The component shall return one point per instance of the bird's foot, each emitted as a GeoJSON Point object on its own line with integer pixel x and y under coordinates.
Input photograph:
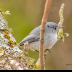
{"type": "Point", "coordinates": [37, 51]}
{"type": "Point", "coordinates": [48, 50]}
{"type": "Point", "coordinates": [45, 56]}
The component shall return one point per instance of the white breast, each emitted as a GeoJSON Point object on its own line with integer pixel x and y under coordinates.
{"type": "Point", "coordinates": [49, 41]}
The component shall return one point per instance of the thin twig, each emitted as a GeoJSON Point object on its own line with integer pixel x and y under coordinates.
{"type": "Point", "coordinates": [44, 20]}
{"type": "Point", "coordinates": [60, 33]}
{"type": "Point", "coordinates": [61, 15]}
{"type": "Point", "coordinates": [25, 50]}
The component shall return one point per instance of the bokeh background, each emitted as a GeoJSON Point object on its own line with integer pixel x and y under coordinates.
{"type": "Point", "coordinates": [27, 14]}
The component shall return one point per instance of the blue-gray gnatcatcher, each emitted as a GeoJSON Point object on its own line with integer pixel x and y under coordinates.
{"type": "Point", "coordinates": [50, 37]}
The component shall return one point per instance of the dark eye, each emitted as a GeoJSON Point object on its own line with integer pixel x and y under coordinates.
{"type": "Point", "coordinates": [48, 26]}
{"type": "Point", "coordinates": [55, 28]}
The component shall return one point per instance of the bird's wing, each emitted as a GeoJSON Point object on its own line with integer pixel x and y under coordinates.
{"type": "Point", "coordinates": [36, 31]}
{"type": "Point", "coordinates": [29, 39]}
{"type": "Point", "coordinates": [32, 37]}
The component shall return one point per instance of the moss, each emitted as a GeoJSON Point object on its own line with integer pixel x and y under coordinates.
{"type": "Point", "coordinates": [30, 62]}
{"type": "Point", "coordinates": [1, 51]}
{"type": "Point", "coordinates": [11, 43]}
{"type": "Point", "coordinates": [60, 33]}
{"type": "Point", "coordinates": [6, 34]}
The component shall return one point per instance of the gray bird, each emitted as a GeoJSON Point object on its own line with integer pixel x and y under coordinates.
{"type": "Point", "coordinates": [50, 37]}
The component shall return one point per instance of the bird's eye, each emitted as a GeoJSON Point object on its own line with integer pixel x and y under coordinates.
{"type": "Point", "coordinates": [48, 26]}
{"type": "Point", "coordinates": [55, 28]}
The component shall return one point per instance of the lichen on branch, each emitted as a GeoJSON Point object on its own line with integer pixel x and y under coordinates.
{"type": "Point", "coordinates": [11, 56]}
{"type": "Point", "coordinates": [61, 35]}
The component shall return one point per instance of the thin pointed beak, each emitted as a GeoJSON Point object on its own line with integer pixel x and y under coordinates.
{"type": "Point", "coordinates": [61, 27]}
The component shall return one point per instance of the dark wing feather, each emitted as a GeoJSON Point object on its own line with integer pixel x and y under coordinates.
{"type": "Point", "coordinates": [32, 37]}
{"type": "Point", "coordinates": [29, 39]}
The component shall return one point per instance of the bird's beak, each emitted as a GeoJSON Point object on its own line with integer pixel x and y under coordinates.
{"type": "Point", "coordinates": [61, 27]}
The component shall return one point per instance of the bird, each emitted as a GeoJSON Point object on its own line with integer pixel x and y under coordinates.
{"type": "Point", "coordinates": [50, 37]}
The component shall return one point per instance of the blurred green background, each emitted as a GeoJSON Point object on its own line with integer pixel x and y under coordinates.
{"type": "Point", "coordinates": [27, 14]}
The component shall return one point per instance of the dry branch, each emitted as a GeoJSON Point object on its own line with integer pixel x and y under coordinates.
{"type": "Point", "coordinates": [44, 20]}
{"type": "Point", "coordinates": [25, 50]}
{"type": "Point", "coordinates": [11, 56]}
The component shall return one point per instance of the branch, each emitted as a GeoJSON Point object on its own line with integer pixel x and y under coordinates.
{"type": "Point", "coordinates": [44, 20]}
{"type": "Point", "coordinates": [11, 56]}
{"type": "Point", "coordinates": [61, 15]}
{"type": "Point", "coordinates": [25, 50]}
{"type": "Point", "coordinates": [61, 35]}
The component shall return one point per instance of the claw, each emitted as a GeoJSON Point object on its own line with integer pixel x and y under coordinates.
{"type": "Point", "coordinates": [48, 50]}
{"type": "Point", "coordinates": [37, 51]}
{"type": "Point", "coordinates": [45, 56]}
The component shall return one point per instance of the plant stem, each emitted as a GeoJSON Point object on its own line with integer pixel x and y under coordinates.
{"type": "Point", "coordinates": [25, 50]}
{"type": "Point", "coordinates": [44, 20]}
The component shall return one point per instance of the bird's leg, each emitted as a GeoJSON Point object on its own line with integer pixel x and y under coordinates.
{"type": "Point", "coordinates": [45, 52]}
{"type": "Point", "coordinates": [45, 55]}
{"type": "Point", "coordinates": [48, 50]}
{"type": "Point", "coordinates": [37, 51]}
